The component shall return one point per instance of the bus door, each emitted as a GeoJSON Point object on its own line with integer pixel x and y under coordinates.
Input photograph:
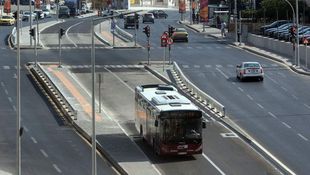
{"type": "Point", "coordinates": [149, 125]}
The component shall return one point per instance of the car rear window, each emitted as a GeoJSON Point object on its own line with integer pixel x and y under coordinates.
{"type": "Point", "coordinates": [252, 65]}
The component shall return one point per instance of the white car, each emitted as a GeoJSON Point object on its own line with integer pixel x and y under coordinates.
{"type": "Point", "coordinates": [46, 13]}
{"type": "Point", "coordinates": [250, 70]}
{"type": "Point", "coordinates": [26, 16]}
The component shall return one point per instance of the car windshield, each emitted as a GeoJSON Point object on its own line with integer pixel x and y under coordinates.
{"type": "Point", "coordinates": [6, 17]}
{"type": "Point", "coordinates": [251, 65]}
{"type": "Point", "coordinates": [180, 30]}
{"type": "Point", "coordinates": [147, 15]}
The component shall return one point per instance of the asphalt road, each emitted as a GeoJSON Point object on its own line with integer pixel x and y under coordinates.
{"type": "Point", "coordinates": [49, 145]}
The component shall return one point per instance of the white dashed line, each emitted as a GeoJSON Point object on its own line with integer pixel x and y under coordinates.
{"type": "Point", "coordinates": [307, 106]}
{"type": "Point", "coordinates": [259, 105]}
{"type": "Point", "coordinates": [57, 169]}
{"type": "Point", "coordinates": [208, 66]}
{"type": "Point", "coordinates": [285, 124]}
{"type": "Point", "coordinates": [284, 88]}
{"type": "Point", "coordinates": [272, 79]}
{"type": "Point", "coordinates": [6, 67]}
{"type": "Point", "coordinates": [214, 165]}
{"type": "Point", "coordinates": [6, 92]}
{"type": "Point", "coordinates": [196, 66]}
{"type": "Point", "coordinates": [2, 84]}
{"type": "Point", "coordinates": [295, 97]}
{"type": "Point", "coordinates": [10, 99]}
{"type": "Point", "coordinates": [303, 137]}
{"type": "Point", "coordinates": [34, 140]}
{"type": "Point", "coordinates": [219, 66]}
{"type": "Point", "coordinates": [44, 153]}
{"type": "Point", "coordinates": [26, 129]}
{"type": "Point", "coordinates": [222, 73]}
{"type": "Point", "coordinates": [240, 89]}
{"type": "Point", "coordinates": [14, 108]}
{"type": "Point", "coordinates": [189, 47]}
{"type": "Point", "coordinates": [272, 115]}
{"type": "Point", "coordinates": [249, 96]}
{"type": "Point", "coordinates": [233, 83]}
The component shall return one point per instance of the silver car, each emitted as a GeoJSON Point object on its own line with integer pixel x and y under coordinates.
{"type": "Point", "coordinates": [250, 70]}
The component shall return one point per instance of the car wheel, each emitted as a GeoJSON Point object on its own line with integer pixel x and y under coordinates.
{"type": "Point", "coordinates": [261, 78]}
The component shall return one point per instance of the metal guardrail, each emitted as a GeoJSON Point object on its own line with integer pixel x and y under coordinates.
{"type": "Point", "coordinates": [210, 102]}
{"type": "Point", "coordinates": [123, 33]}
{"type": "Point", "coordinates": [55, 93]}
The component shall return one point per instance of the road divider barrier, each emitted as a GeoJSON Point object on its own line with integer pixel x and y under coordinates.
{"type": "Point", "coordinates": [198, 94]}
{"type": "Point", "coordinates": [58, 98]}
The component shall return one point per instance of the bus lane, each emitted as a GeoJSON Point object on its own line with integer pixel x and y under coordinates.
{"type": "Point", "coordinates": [223, 151]}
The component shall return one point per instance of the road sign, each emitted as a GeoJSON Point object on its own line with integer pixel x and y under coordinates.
{"type": "Point", "coordinates": [164, 39]}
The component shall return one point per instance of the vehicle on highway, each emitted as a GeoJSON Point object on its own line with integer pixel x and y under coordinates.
{"type": "Point", "coordinates": [268, 32]}
{"type": "Point", "coordinates": [26, 16]}
{"type": "Point", "coordinates": [46, 13]}
{"type": "Point", "coordinates": [130, 21]}
{"type": "Point", "coordinates": [159, 13]}
{"type": "Point", "coordinates": [167, 120]}
{"type": "Point", "coordinates": [273, 32]}
{"type": "Point", "coordinates": [7, 20]}
{"type": "Point", "coordinates": [249, 70]}
{"type": "Point", "coordinates": [272, 25]}
{"type": "Point", "coordinates": [180, 34]}
{"type": "Point", "coordinates": [39, 13]}
{"type": "Point", "coordinates": [148, 17]}
{"type": "Point", "coordinates": [64, 11]}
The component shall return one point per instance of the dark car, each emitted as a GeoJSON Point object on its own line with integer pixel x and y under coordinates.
{"type": "Point", "coordinates": [64, 11]}
{"type": "Point", "coordinates": [130, 21]}
{"type": "Point", "coordinates": [272, 25]}
{"type": "Point", "coordinates": [148, 17]}
{"type": "Point", "coordinates": [159, 13]}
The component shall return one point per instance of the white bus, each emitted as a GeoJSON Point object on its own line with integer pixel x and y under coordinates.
{"type": "Point", "coordinates": [168, 121]}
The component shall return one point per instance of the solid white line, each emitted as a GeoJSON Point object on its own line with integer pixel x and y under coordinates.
{"type": "Point", "coordinates": [303, 137]}
{"type": "Point", "coordinates": [240, 89]}
{"type": "Point", "coordinates": [285, 124]}
{"type": "Point", "coordinates": [117, 77]}
{"type": "Point", "coordinates": [222, 73]}
{"type": "Point", "coordinates": [68, 31]}
{"type": "Point", "coordinates": [260, 105]}
{"type": "Point", "coordinates": [251, 98]}
{"type": "Point", "coordinates": [272, 115]}
{"type": "Point", "coordinates": [57, 169]}
{"type": "Point", "coordinates": [214, 165]}
{"type": "Point", "coordinates": [44, 153]}
{"type": "Point", "coordinates": [34, 140]}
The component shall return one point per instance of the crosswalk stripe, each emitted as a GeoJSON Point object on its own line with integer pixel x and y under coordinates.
{"type": "Point", "coordinates": [196, 66]}
{"type": "Point", "coordinates": [6, 67]}
{"type": "Point", "coordinates": [208, 66]}
{"type": "Point", "coordinates": [230, 65]}
{"type": "Point", "coordinates": [185, 66]}
{"type": "Point", "coordinates": [218, 66]}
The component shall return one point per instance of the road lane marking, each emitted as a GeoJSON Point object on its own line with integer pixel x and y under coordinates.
{"type": "Point", "coordinates": [307, 106]}
{"type": "Point", "coordinates": [284, 88]}
{"type": "Point", "coordinates": [294, 96]}
{"type": "Point", "coordinates": [196, 66]}
{"type": "Point", "coordinates": [14, 108]}
{"type": "Point", "coordinates": [208, 66]}
{"type": "Point", "coordinates": [10, 99]}
{"type": "Point", "coordinates": [185, 66]}
{"type": "Point", "coordinates": [68, 31]}
{"type": "Point", "coordinates": [249, 96]}
{"type": "Point", "coordinates": [26, 129]}
{"type": "Point", "coordinates": [240, 89]}
{"type": "Point", "coordinates": [44, 153]}
{"type": "Point", "coordinates": [259, 105]}
{"type": "Point", "coordinates": [2, 84]}
{"type": "Point", "coordinates": [233, 83]}
{"type": "Point", "coordinates": [285, 124]}
{"type": "Point", "coordinates": [34, 140]}
{"type": "Point", "coordinates": [272, 79]}
{"type": "Point", "coordinates": [213, 164]}
{"type": "Point", "coordinates": [57, 169]}
{"type": "Point", "coordinates": [272, 115]}
{"type": "Point", "coordinates": [222, 73]}
{"type": "Point", "coordinates": [219, 66]}
{"type": "Point", "coordinates": [6, 92]}
{"type": "Point", "coordinates": [6, 67]}
{"type": "Point", "coordinates": [303, 137]}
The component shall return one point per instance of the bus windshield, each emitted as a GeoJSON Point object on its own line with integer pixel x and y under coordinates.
{"type": "Point", "coordinates": [181, 130]}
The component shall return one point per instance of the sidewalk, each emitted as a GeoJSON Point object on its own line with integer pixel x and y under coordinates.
{"type": "Point", "coordinates": [216, 33]}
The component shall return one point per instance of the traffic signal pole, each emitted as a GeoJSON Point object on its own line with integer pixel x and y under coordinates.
{"type": "Point", "coordinates": [148, 50]}
{"type": "Point", "coordinates": [30, 19]}
{"type": "Point", "coordinates": [59, 43]}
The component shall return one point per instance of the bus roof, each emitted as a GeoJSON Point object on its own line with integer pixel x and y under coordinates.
{"type": "Point", "coordinates": [165, 97]}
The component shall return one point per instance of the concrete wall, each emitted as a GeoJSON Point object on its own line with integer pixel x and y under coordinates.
{"type": "Point", "coordinates": [280, 47]}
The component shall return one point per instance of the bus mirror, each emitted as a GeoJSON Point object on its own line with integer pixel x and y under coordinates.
{"type": "Point", "coordinates": [203, 124]}
{"type": "Point", "coordinates": [156, 123]}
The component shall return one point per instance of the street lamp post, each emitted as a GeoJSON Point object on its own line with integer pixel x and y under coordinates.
{"type": "Point", "coordinates": [236, 27]}
{"type": "Point", "coordinates": [18, 100]}
{"type": "Point", "coordinates": [297, 34]}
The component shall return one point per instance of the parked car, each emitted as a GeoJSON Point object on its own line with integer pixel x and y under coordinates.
{"type": "Point", "coordinates": [129, 21]}
{"type": "Point", "coordinates": [180, 34]}
{"type": "Point", "coordinates": [273, 25]}
{"type": "Point", "coordinates": [7, 20]}
{"type": "Point", "coordinates": [159, 13]}
{"type": "Point", "coordinates": [64, 11]}
{"type": "Point", "coordinates": [148, 17]}
{"type": "Point", "coordinates": [249, 70]}
{"type": "Point", "coordinates": [273, 32]}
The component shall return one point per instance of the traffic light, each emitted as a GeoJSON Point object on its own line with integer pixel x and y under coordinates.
{"type": "Point", "coordinates": [293, 31]}
{"type": "Point", "coordinates": [32, 32]}
{"type": "Point", "coordinates": [170, 30]}
{"type": "Point", "coordinates": [136, 17]}
{"type": "Point", "coordinates": [147, 30]}
{"type": "Point", "coordinates": [61, 32]}
{"type": "Point", "coordinates": [15, 15]}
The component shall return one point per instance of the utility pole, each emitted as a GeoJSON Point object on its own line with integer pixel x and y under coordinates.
{"type": "Point", "coordinates": [236, 27]}
{"type": "Point", "coordinates": [61, 33]}
{"type": "Point", "coordinates": [297, 33]}
{"type": "Point", "coordinates": [18, 99]}
{"type": "Point", "coordinates": [30, 19]}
